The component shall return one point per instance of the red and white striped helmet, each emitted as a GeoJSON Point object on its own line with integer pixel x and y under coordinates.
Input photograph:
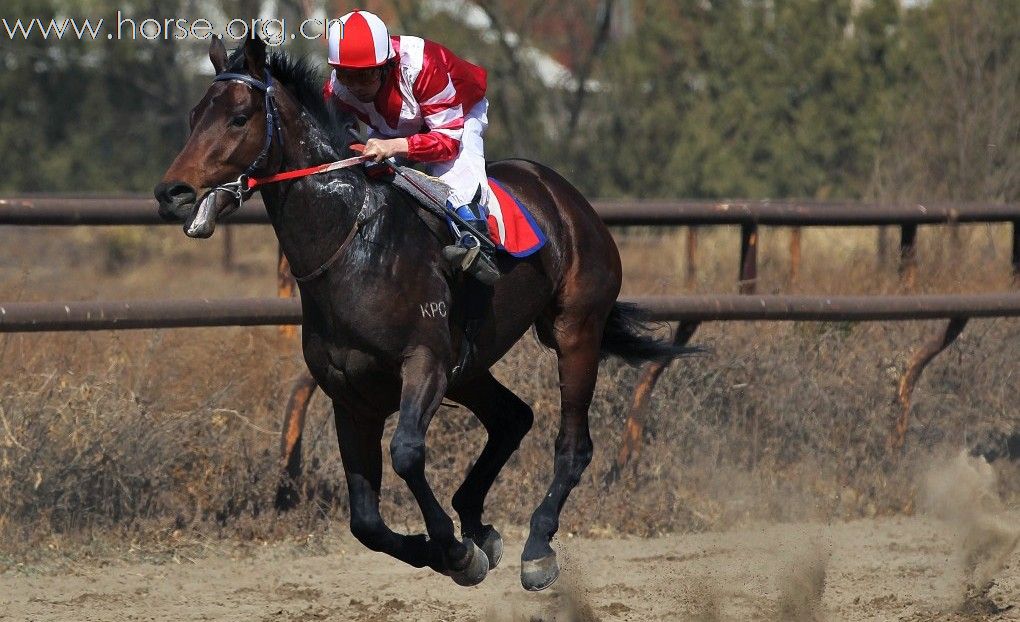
{"type": "Point", "coordinates": [359, 40]}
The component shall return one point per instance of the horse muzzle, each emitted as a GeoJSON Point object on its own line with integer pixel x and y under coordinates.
{"type": "Point", "coordinates": [176, 200]}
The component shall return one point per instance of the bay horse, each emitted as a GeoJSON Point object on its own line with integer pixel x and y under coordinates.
{"type": "Point", "coordinates": [383, 313]}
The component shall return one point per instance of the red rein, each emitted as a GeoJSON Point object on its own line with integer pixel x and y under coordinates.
{"type": "Point", "coordinates": [253, 183]}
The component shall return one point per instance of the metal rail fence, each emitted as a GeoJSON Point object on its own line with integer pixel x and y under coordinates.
{"type": "Point", "coordinates": [26, 317]}
{"type": "Point", "coordinates": [138, 209]}
{"type": "Point", "coordinates": [66, 210]}
{"type": "Point", "coordinates": [689, 311]}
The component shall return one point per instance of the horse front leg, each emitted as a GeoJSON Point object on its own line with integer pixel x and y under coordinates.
{"type": "Point", "coordinates": [424, 384]}
{"type": "Point", "coordinates": [360, 438]}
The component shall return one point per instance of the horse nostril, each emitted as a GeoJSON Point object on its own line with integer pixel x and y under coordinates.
{"type": "Point", "coordinates": [177, 193]}
{"type": "Point", "coordinates": [181, 193]}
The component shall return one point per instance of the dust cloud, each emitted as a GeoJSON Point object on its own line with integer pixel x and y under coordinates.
{"type": "Point", "coordinates": [962, 493]}
{"type": "Point", "coordinates": [801, 584]}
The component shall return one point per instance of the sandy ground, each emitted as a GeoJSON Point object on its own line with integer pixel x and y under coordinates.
{"type": "Point", "coordinates": [884, 569]}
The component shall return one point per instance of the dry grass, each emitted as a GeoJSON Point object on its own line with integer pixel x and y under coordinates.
{"type": "Point", "coordinates": [146, 435]}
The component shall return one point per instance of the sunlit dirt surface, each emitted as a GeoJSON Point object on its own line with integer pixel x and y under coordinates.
{"type": "Point", "coordinates": [886, 569]}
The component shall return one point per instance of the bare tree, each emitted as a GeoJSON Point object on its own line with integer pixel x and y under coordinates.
{"type": "Point", "coordinates": [957, 135]}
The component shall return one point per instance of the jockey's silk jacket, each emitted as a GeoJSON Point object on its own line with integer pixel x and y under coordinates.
{"type": "Point", "coordinates": [424, 99]}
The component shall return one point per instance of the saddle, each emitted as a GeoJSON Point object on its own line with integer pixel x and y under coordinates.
{"type": "Point", "coordinates": [432, 194]}
{"type": "Point", "coordinates": [438, 192]}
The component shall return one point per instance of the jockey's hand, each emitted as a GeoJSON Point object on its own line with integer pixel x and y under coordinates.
{"type": "Point", "coordinates": [381, 149]}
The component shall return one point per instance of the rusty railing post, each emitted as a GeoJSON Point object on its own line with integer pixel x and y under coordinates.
{"type": "Point", "coordinates": [882, 249]}
{"type": "Point", "coordinates": [794, 255]}
{"type": "Point", "coordinates": [228, 248]}
{"type": "Point", "coordinates": [286, 287]}
{"type": "Point", "coordinates": [630, 446]}
{"type": "Point", "coordinates": [921, 358]}
{"type": "Point", "coordinates": [1016, 252]}
{"type": "Point", "coordinates": [748, 258]}
{"type": "Point", "coordinates": [954, 250]}
{"type": "Point", "coordinates": [692, 257]}
{"type": "Point", "coordinates": [908, 255]}
{"type": "Point", "coordinates": [297, 406]}
{"type": "Point", "coordinates": [290, 440]}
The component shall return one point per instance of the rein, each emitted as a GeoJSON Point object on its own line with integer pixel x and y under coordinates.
{"type": "Point", "coordinates": [254, 182]}
{"type": "Point", "coordinates": [246, 183]}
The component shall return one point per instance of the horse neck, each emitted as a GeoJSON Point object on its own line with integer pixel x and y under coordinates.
{"type": "Point", "coordinates": [312, 214]}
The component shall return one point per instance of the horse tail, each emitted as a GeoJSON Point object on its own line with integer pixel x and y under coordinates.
{"type": "Point", "coordinates": [627, 335]}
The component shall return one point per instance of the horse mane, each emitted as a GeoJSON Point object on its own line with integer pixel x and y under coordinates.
{"type": "Point", "coordinates": [304, 80]}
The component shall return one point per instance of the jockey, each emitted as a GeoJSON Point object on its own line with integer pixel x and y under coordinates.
{"type": "Point", "coordinates": [420, 102]}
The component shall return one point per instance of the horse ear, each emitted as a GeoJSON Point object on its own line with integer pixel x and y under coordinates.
{"type": "Point", "coordinates": [218, 55]}
{"type": "Point", "coordinates": [255, 56]}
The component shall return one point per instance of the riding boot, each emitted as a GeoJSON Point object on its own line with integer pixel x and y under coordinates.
{"type": "Point", "coordinates": [466, 254]}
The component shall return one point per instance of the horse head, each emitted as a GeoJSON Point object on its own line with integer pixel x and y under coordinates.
{"type": "Point", "coordinates": [232, 136]}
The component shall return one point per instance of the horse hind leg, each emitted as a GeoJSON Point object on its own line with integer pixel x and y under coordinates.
{"type": "Point", "coordinates": [507, 419]}
{"type": "Point", "coordinates": [287, 496]}
{"type": "Point", "coordinates": [576, 338]}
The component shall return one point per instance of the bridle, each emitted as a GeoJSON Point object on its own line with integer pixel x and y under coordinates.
{"type": "Point", "coordinates": [247, 183]}
{"type": "Point", "coordinates": [239, 189]}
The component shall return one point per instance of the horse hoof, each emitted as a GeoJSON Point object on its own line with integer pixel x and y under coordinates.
{"type": "Point", "coordinates": [539, 574]}
{"type": "Point", "coordinates": [492, 546]}
{"type": "Point", "coordinates": [287, 497]}
{"type": "Point", "coordinates": [476, 568]}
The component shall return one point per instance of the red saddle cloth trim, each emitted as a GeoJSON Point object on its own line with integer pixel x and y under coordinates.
{"type": "Point", "coordinates": [519, 235]}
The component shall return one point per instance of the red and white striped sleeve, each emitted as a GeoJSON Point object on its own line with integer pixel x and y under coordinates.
{"type": "Point", "coordinates": [446, 88]}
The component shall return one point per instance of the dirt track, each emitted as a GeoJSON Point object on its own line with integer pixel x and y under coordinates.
{"type": "Point", "coordinates": [885, 569]}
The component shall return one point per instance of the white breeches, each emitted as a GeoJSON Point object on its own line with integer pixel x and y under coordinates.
{"type": "Point", "coordinates": [466, 172]}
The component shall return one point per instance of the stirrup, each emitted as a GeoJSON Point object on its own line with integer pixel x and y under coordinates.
{"type": "Point", "coordinates": [461, 254]}
{"type": "Point", "coordinates": [467, 256]}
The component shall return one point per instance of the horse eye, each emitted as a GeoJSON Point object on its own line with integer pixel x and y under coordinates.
{"type": "Point", "coordinates": [239, 120]}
